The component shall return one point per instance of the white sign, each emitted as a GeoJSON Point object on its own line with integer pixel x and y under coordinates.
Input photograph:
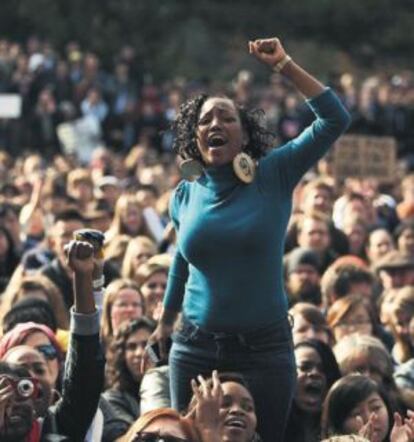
{"type": "Point", "coordinates": [10, 106]}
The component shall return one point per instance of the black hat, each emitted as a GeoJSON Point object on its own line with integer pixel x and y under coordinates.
{"type": "Point", "coordinates": [300, 256]}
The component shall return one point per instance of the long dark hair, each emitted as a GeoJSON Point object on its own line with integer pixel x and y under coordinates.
{"type": "Point", "coordinates": [329, 363]}
{"type": "Point", "coordinates": [344, 396]}
{"type": "Point", "coordinates": [295, 428]}
{"type": "Point", "coordinates": [185, 126]}
{"type": "Point", "coordinates": [117, 374]}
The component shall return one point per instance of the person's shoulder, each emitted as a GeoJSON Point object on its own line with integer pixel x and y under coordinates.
{"type": "Point", "coordinates": [117, 397]}
{"type": "Point", "coordinates": [112, 394]}
{"type": "Point", "coordinates": [123, 404]}
{"type": "Point", "coordinates": [181, 189]}
{"type": "Point", "coordinates": [181, 192]}
{"type": "Point", "coordinates": [157, 373]}
{"type": "Point", "coordinates": [274, 154]}
{"type": "Point", "coordinates": [404, 375]}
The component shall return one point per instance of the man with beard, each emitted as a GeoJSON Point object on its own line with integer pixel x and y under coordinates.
{"type": "Point", "coordinates": [302, 269]}
{"type": "Point", "coordinates": [72, 415]}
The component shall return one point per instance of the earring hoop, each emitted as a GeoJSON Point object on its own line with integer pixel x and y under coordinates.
{"type": "Point", "coordinates": [244, 167]}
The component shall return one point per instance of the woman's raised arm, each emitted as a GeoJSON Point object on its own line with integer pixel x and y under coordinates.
{"type": "Point", "coordinates": [271, 52]}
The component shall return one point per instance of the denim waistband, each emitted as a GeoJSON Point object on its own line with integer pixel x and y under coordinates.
{"type": "Point", "coordinates": [279, 329]}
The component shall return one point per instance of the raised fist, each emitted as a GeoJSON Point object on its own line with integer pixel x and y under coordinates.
{"type": "Point", "coordinates": [80, 256]}
{"type": "Point", "coordinates": [267, 50]}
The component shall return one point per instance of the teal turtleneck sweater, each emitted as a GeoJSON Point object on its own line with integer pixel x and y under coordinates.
{"type": "Point", "coordinates": [227, 273]}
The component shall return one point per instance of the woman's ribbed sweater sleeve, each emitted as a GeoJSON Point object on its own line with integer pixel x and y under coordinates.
{"type": "Point", "coordinates": [177, 278]}
{"type": "Point", "coordinates": [178, 273]}
{"type": "Point", "coordinates": [296, 157]}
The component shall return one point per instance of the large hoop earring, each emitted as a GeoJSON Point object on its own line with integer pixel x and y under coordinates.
{"type": "Point", "coordinates": [244, 167]}
{"type": "Point", "coordinates": [191, 169]}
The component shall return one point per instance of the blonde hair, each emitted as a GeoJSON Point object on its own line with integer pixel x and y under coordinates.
{"type": "Point", "coordinates": [402, 302]}
{"type": "Point", "coordinates": [315, 215]}
{"type": "Point", "coordinates": [111, 293]}
{"type": "Point", "coordinates": [117, 248]}
{"type": "Point", "coordinates": [146, 270]}
{"type": "Point", "coordinates": [346, 438]}
{"type": "Point", "coordinates": [16, 291]}
{"type": "Point", "coordinates": [76, 176]}
{"type": "Point", "coordinates": [185, 424]}
{"type": "Point", "coordinates": [128, 270]}
{"type": "Point", "coordinates": [372, 347]}
{"type": "Point", "coordinates": [117, 226]}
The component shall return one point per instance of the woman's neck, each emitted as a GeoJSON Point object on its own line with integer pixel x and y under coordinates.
{"type": "Point", "coordinates": [219, 178]}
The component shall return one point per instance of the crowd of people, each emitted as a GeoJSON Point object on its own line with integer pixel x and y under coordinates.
{"type": "Point", "coordinates": [77, 319]}
{"type": "Point", "coordinates": [57, 87]}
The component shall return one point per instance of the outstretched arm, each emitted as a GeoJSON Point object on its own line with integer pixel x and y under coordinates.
{"type": "Point", "coordinates": [284, 167]}
{"type": "Point", "coordinates": [174, 293]}
{"type": "Point", "coordinates": [173, 299]}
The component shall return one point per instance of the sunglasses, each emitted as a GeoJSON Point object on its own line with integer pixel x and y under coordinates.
{"type": "Point", "coordinates": [144, 436]}
{"type": "Point", "coordinates": [48, 351]}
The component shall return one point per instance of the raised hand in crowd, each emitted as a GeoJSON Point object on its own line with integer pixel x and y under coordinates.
{"type": "Point", "coordinates": [403, 429]}
{"type": "Point", "coordinates": [80, 256]}
{"type": "Point", "coordinates": [368, 430]}
{"type": "Point", "coordinates": [206, 411]}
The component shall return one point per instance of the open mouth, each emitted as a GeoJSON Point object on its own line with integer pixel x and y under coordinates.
{"type": "Point", "coordinates": [216, 141]}
{"type": "Point", "coordinates": [314, 391]}
{"type": "Point", "coordinates": [236, 423]}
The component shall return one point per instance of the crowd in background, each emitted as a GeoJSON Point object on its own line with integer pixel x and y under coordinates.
{"type": "Point", "coordinates": [349, 261]}
{"type": "Point", "coordinates": [57, 87]}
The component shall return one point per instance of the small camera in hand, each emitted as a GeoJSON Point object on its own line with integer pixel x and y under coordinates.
{"type": "Point", "coordinates": [94, 237]}
{"type": "Point", "coordinates": [24, 388]}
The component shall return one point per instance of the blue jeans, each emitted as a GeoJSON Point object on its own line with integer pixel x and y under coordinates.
{"type": "Point", "coordinates": [263, 356]}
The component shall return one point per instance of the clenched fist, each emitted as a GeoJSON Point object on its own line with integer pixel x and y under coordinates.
{"type": "Point", "coordinates": [80, 257]}
{"type": "Point", "coordinates": [267, 50]}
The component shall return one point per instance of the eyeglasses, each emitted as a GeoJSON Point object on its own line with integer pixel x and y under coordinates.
{"type": "Point", "coordinates": [154, 285]}
{"type": "Point", "coordinates": [48, 351]}
{"type": "Point", "coordinates": [144, 436]}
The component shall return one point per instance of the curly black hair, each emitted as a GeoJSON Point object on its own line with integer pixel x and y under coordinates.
{"type": "Point", "coordinates": [117, 373]}
{"type": "Point", "coordinates": [185, 125]}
